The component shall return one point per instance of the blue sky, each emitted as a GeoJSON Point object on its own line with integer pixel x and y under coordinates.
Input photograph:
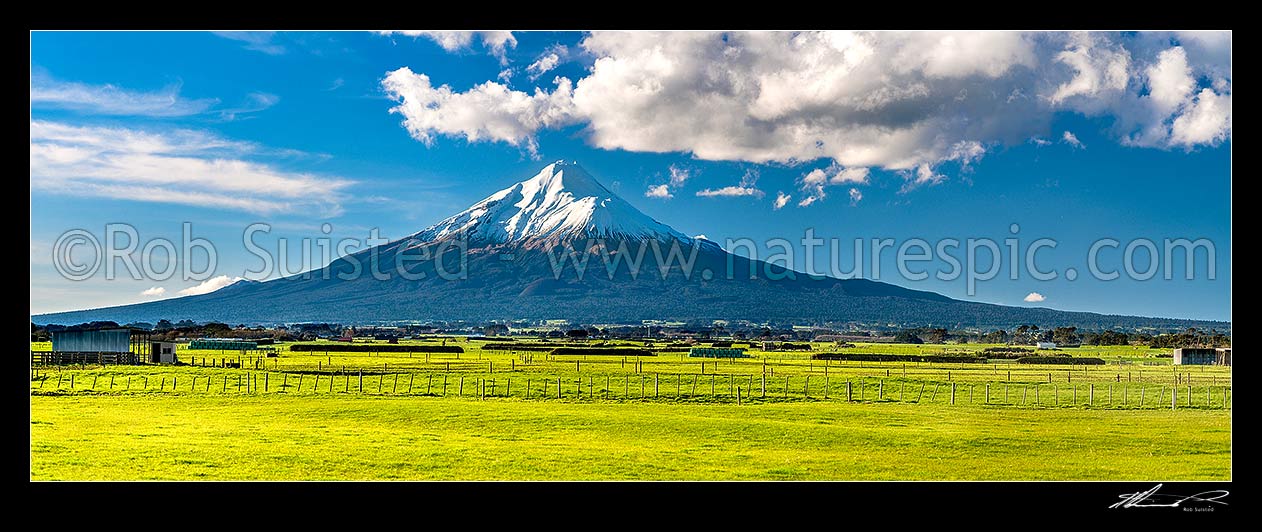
{"type": "Point", "coordinates": [1073, 137]}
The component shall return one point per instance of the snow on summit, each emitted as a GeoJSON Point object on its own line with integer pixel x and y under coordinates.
{"type": "Point", "coordinates": [561, 202]}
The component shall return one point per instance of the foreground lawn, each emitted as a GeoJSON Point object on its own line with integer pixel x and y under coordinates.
{"type": "Point", "coordinates": [124, 437]}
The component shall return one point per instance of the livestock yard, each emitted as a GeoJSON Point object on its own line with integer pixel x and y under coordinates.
{"type": "Point", "coordinates": [521, 408]}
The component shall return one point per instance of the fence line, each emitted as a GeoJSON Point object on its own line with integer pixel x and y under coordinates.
{"type": "Point", "coordinates": [1117, 396]}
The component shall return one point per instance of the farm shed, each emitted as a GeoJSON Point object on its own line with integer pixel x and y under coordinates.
{"type": "Point", "coordinates": [1224, 356]}
{"type": "Point", "coordinates": [115, 345]}
{"type": "Point", "coordinates": [99, 341]}
{"type": "Point", "coordinates": [162, 353]}
{"type": "Point", "coordinates": [718, 352]}
{"type": "Point", "coordinates": [1202, 356]}
{"type": "Point", "coordinates": [1045, 345]}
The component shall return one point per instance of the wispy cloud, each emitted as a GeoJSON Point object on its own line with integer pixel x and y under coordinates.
{"type": "Point", "coordinates": [336, 84]}
{"type": "Point", "coordinates": [730, 192]}
{"type": "Point", "coordinates": [259, 41]}
{"type": "Point", "coordinates": [153, 291]}
{"type": "Point", "coordinates": [114, 100]}
{"type": "Point", "coordinates": [210, 285]}
{"type": "Point", "coordinates": [1072, 140]}
{"type": "Point", "coordinates": [186, 167]}
{"type": "Point", "coordinates": [856, 196]}
{"type": "Point", "coordinates": [745, 189]}
{"type": "Point", "coordinates": [254, 102]}
{"type": "Point", "coordinates": [815, 182]}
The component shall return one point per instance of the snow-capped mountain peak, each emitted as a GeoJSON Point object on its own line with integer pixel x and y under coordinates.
{"type": "Point", "coordinates": [561, 202]}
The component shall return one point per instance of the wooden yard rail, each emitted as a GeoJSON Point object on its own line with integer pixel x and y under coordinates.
{"type": "Point", "coordinates": [56, 358]}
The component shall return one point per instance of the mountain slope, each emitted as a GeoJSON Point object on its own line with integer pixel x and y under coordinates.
{"type": "Point", "coordinates": [561, 245]}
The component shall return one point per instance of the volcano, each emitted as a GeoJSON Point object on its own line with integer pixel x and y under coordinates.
{"type": "Point", "coordinates": [560, 245]}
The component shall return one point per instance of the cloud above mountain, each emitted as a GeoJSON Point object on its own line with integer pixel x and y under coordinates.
{"type": "Point", "coordinates": [910, 102]}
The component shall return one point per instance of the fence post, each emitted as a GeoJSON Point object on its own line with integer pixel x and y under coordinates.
{"type": "Point", "coordinates": [394, 386]}
{"type": "Point", "coordinates": [655, 392]}
{"type": "Point", "coordinates": [1174, 397]}
{"type": "Point", "coordinates": [1091, 395]}
{"type": "Point", "coordinates": [460, 390]}
{"type": "Point", "coordinates": [264, 383]}
{"type": "Point", "coordinates": [558, 387]}
{"type": "Point", "coordinates": [764, 380]}
{"type": "Point", "coordinates": [361, 380]}
{"type": "Point", "coordinates": [952, 393]}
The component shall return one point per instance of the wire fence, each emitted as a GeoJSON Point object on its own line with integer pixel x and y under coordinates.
{"type": "Point", "coordinates": [719, 388]}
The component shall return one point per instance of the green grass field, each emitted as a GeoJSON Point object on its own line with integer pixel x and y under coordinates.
{"type": "Point", "coordinates": [311, 415]}
{"type": "Point", "coordinates": [346, 438]}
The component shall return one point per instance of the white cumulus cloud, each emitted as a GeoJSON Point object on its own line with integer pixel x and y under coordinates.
{"type": "Point", "coordinates": [659, 191]}
{"type": "Point", "coordinates": [542, 65]}
{"type": "Point", "coordinates": [153, 291]}
{"type": "Point", "coordinates": [496, 41]}
{"type": "Point", "coordinates": [921, 103]}
{"type": "Point", "coordinates": [490, 111]}
{"type": "Point", "coordinates": [815, 182]}
{"type": "Point", "coordinates": [1035, 297]}
{"type": "Point", "coordinates": [856, 196]}
{"type": "Point", "coordinates": [782, 199]}
{"type": "Point", "coordinates": [209, 285]}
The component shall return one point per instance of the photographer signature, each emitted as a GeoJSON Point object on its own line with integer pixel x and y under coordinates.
{"type": "Point", "coordinates": [1152, 499]}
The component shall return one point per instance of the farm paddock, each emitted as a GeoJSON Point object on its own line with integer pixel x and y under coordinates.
{"type": "Point", "coordinates": [489, 414]}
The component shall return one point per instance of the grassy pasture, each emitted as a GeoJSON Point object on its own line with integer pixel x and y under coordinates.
{"type": "Point", "coordinates": [374, 437]}
{"type": "Point", "coordinates": [306, 415]}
